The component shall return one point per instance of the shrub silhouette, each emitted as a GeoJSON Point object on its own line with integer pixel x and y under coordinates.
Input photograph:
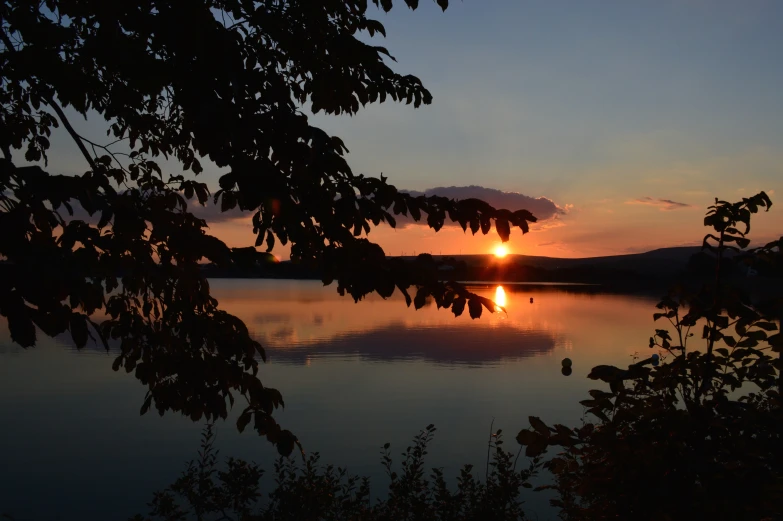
{"type": "Point", "coordinates": [312, 491]}
{"type": "Point", "coordinates": [689, 433]}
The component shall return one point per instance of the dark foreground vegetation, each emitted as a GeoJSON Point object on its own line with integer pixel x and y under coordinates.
{"type": "Point", "coordinates": [112, 253]}
{"type": "Point", "coordinates": [693, 431]}
{"type": "Point", "coordinates": [308, 490]}
{"type": "Point", "coordinates": [114, 256]}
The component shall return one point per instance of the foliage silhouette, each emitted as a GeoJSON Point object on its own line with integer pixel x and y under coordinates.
{"type": "Point", "coordinates": [312, 491]}
{"type": "Point", "coordinates": [680, 435]}
{"type": "Point", "coordinates": [186, 80]}
{"type": "Point", "coordinates": [699, 435]}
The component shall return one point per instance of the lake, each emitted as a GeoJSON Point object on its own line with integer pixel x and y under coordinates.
{"type": "Point", "coordinates": [354, 376]}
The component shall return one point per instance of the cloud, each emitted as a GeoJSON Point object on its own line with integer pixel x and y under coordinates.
{"type": "Point", "coordinates": [549, 224]}
{"type": "Point", "coordinates": [541, 207]}
{"type": "Point", "coordinates": [212, 213]}
{"type": "Point", "coordinates": [662, 204]}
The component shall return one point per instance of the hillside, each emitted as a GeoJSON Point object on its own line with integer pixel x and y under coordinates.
{"type": "Point", "coordinates": [647, 269]}
{"type": "Point", "coordinates": [656, 262]}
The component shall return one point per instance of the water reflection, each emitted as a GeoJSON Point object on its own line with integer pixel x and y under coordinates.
{"type": "Point", "coordinates": [295, 327]}
{"type": "Point", "coordinates": [301, 320]}
{"type": "Point", "coordinates": [500, 296]}
{"type": "Point", "coordinates": [377, 368]}
{"type": "Point", "coordinates": [443, 345]}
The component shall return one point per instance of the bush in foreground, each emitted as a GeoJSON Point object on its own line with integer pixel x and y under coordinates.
{"type": "Point", "coordinates": [308, 490]}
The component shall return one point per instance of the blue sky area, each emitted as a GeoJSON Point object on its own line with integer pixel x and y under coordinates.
{"type": "Point", "coordinates": [630, 116]}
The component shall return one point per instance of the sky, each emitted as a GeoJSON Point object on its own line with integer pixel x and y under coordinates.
{"type": "Point", "coordinates": [618, 121]}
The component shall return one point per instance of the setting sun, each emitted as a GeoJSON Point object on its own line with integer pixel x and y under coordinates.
{"type": "Point", "coordinates": [501, 251]}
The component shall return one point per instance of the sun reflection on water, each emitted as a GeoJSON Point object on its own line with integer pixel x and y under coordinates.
{"type": "Point", "coordinates": [500, 296]}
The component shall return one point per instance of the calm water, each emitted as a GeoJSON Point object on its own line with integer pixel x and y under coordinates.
{"type": "Point", "coordinates": [353, 376]}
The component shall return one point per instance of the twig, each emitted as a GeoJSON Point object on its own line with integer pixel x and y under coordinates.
{"type": "Point", "coordinates": [489, 446]}
{"type": "Point", "coordinates": [106, 149]}
{"type": "Point", "coordinates": [517, 458]}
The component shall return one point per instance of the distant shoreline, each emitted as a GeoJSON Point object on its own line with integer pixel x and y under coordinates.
{"type": "Point", "coordinates": [648, 272]}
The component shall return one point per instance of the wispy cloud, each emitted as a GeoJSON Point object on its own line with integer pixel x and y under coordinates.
{"type": "Point", "coordinates": [661, 204]}
{"type": "Point", "coordinates": [548, 224]}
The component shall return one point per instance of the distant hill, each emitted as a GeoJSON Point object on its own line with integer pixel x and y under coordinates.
{"type": "Point", "coordinates": [654, 269]}
{"type": "Point", "coordinates": [638, 270]}
{"type": "Point", "coordinates": [661, 261]}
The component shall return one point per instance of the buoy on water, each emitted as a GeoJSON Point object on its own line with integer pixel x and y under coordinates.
{"type": "Point", "coordinates": [531, 300]}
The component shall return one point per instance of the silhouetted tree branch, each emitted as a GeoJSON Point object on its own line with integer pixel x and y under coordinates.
{"type": "Point", "coordinates": [219, 79]}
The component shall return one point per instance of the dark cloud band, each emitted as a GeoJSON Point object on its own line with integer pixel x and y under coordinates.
{"type": "Point", "coordinates": [662, 204]}
{"type": "Point", "coordinates": [541, 207]}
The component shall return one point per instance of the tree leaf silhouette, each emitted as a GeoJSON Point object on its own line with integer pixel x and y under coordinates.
{"type": "Point", "coordinates": [122, 238]}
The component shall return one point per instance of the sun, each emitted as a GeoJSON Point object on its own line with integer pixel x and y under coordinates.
{"type": "Point", "coordinates": [501, 251]}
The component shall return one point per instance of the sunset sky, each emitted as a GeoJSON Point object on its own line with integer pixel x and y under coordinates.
{"type": "Point", "coordinates": [627, 117]}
